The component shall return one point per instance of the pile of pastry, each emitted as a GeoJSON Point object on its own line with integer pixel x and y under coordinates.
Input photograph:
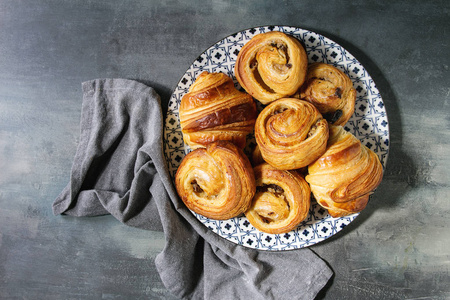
{"type": "Point", "coordinates": [301, 146]}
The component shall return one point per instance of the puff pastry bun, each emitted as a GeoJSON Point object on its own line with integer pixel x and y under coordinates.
{"type": "Point", "coordinates": [281, 202]}
{"type": "Point", "coordinates": [291, 133]}
{"type": "Point", "coordinates": [331, 91]}
{"type": "Point", "coordinates": [217, 181]}
{"type": "Point", "coordinates": [271, 66]}
{"type": "Point", "coordinates": [342, 179]}
{"type": "Point", "coordinates": [214, 109]}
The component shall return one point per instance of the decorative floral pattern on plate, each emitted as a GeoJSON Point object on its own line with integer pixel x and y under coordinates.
{"type": "Point", "coordinates": [369, 124]}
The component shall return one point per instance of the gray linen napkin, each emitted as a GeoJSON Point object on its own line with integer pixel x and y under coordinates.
{"type": "Point", "coordinates": [119, 169]}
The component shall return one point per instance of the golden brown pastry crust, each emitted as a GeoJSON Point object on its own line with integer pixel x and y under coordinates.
{"type": "Point", "coordinates": [291, 133]}
{"type": "Point", "coordinates": [331, 91]}
{"type": "Point", "coordinates": [281, 202]}
{"type": "Point", "coordinates": [271, 66]}
{"type": "Point", "coordinates": [342, 179]}
{"type": "Point", "coordinates": [214, 109]}
{"type": "Point", "coordinates": [217, 181]}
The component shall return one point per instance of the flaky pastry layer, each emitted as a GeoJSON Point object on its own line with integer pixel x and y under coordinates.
{"type": "Point", "coordinates": [281, 202]}
{"type": "Point", "coordinates": [331, 91]}
{"type": "Point", "coordinates": [291, 133]}
{"type": "Point", "coordinates": [342, 179]}
{"type": "Point", "coordinates": [217, 181]}
{"type": "Point", "coordinates": [214, 109]}
{"type": "Point", "coordinates": [271, 66]}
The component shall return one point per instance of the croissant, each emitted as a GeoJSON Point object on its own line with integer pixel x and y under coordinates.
{"type": "Point", "coordinates": [281, 202]}
{"type": "Point", "coordinates": [331, 91]}
{"type": "Point", "coordinates": [271, 66]}
{"type": "Point", "coordinates": [217, 181]}
{"type": "Point", "coordinates": [214, 109]}
{"type": "Point", "coordinates": [342, 179]}
{"type": "Point", "coordinates": [291, 133]}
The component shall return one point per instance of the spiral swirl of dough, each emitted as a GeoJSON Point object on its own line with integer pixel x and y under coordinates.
{"type": "Point", "coordinates": [342, 179]}
{"type": "Point", "coordinates": [271, 66]}
{"type": "Point", "coordinates": [217, 181]}
{"type": "Point", "coordinates": [331, 91]}
{"type": "Point", "coordinates": [291, 133]}
{"type": "Point", "coordinates": [281, 202]}
{"type": "Point", "coordinates": [214, 109]}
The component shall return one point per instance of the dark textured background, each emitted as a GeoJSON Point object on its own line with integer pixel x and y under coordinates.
{"type": "Point", "coordinates": [398, 248]}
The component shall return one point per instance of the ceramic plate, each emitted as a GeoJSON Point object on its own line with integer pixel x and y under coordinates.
{"type": "Point", "coordinates": [369, 123]}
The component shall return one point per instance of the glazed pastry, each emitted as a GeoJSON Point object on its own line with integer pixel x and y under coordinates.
{"type": "Point", "coordinates": [291, 133]}
{"type": "Point", "coordinates": [271, 66]}
{"type": "Point", "coordinates": [214, 109]}
{"type": "Point", "coordinates": [342, 179]}
{"type": "Point", "coordinates": [217, 181]}
{"type": "Point", "coordinates": [281, 201]}
{"type": "Point", "coordinates": [331, 91]}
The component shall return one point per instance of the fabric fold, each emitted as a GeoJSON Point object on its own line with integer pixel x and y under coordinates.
{"type": "Point", "coordinates": [119, 169]}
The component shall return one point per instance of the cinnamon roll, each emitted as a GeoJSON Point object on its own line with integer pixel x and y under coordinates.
{"type": "Point", "coordinates": [291, 133]}
{"type": "Point", "coordinates": [342, 179]}
{"type": "Point", "coordinates": [214, 109]}
{"type": "Point", "coordinates": [271, 66]}
{"type": "Point", "coordinates": [217, 181]}
{"type": "Point", "coordinates": [281, 202]}
{"type": "Point", "coordinates": [331, 91]}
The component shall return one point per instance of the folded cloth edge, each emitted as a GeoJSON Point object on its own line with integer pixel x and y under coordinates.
{"type": "Point", "coordinates": [231, 253]}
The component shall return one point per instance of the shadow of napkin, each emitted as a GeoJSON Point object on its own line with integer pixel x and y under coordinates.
{"type": "Point", "coordinates": [119, 169]}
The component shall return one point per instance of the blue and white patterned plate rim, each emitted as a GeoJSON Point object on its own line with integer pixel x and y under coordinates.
{"type": "Point", "coordinates": [369, 123]}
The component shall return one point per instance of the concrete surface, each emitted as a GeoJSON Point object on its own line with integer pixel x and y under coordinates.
{"type": "Point", "coordinates": [398, 248]}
